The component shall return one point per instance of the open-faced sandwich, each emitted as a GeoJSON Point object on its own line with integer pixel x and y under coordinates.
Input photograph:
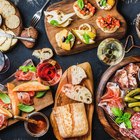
{"type": "Point", "coordinates": [86, 33]}
{"type": "Point", "coordinates": [108, 24]}
{"type": "Point", "coordinates": [65, 39]}
{"type": "Point", "coordinates": [58, 18]}
{"type": "Point", "coordinates": [122, 100]}
{"type": "Point", "coordinates": [72, 113]}
{"type": "Point", "coordinates": [83, 9]}
{"type": "Point", "coordinates": [105, 4]}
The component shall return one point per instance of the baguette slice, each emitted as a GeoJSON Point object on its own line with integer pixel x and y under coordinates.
{"type": "Point", "coordinates": [71, 120]}
{"type": "Point", "coordinates": [31, 86]}
{"type": "Point", "coordinates": [78, 93]}
{"type": "Point", "coordinates": [77, 75]}
{"type": "Point", "coordinates": [14, 99]}
{"type": "Point", "coordinates": [5, 112]}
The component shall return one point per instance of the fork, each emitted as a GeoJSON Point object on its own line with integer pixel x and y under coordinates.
{"type": "Point", "coordinates": [37, 15]}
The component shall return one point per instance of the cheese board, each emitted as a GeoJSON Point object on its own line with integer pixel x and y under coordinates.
{"type": "Point", "coordinates": [38, 103]}
{"type": "Point", "coordinates": [76, 22]}
{"type": "Point", "coordinates": [62, 100]}
{"type": "Point", "coordinates": [107, 78]}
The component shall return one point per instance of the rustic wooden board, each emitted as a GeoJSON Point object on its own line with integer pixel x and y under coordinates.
{"type": "Point", "coordinates": [18, 30]}
{"type": "Point", "coordinates": [61, 99]}
{"type": "Point", "coordinates": [39, 103]}
{"type": "Point", "coordinates": [67, 8]}
{"type": "Point", "coordinates": [107, 123]}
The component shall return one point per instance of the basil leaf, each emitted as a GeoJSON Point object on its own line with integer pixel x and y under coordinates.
{"type": "Point", "coordinates": [23, 68]}
{"type": "Point", "coordinates": [117, 112]}
{"type": "Point", "coordinates": [54, 22]}
{"type": "Point", "coordinates": [128, 124]}
{"type": "Point", "coordinates": [28, 68]}
{"type": "Point", "coordinates": [119, 120]}
{"type": "Point", "coordinates": [26, 108]}
{"type": "Point", "coordinates": [40, 94]}
{"type": "Point", "coordinates": [68, 39]}
{"type": "Point", "coordinates": [5, 98]}
{"type": "Point", "coordinates": [86, 38]}
{"type": "Point", "coordinates": [32, 68]}
{"type": "Point", "coordinates": [103, 2]}
{"type": "Point", "coordinates": [80, 4]}
{"type": "Point", "coordinates": [126, 115]}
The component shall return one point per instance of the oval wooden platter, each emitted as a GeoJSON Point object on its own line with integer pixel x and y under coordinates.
{"type": "Point", "coordinates": [18, 30]}
{"type": "Point", "coordinates": [39, 103]}
{"type": "Point", "coordinates": [107, 123]}
{"type": "Point", "coordinates": [68, 8]}
{"type": "Point", "coordinates": [61, 99]}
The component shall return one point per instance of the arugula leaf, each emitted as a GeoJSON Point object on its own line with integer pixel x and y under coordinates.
{"type": "Point", "coordinates": [40, 94]}
{"type": "Point", "coordinates": [86, 38]}
{"type": "Point", "coordinates": [128, 123]}
{"type": "Point", "coordinates": [27, 68]}
{"type": "Point", "coordinates": [5, 98]}
{"type": "Point", "coordinates": [117, 112]}
{"type": "Point", "coordinates": [68, 39]}
{"type": "Point", "coordinates": [26, 108]}
{"type": "Point", "coordinates": [54, 22]}
{"type": "Point", "coordinates": [80, 4]}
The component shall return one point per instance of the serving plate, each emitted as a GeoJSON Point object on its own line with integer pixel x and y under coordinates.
{"type": "Point", "coordinates": [110, 127]}
{"type": "Point", "coordinates": [68, 8]}
{"type": "Point", "coordinates": [39, 103]}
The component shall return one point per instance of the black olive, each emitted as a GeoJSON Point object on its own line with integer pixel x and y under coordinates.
{"type": "Point", "coordinates": [63, 39]}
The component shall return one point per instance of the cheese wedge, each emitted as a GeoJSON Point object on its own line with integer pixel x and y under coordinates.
{"type": "Point", "coordinates": [2, 39]}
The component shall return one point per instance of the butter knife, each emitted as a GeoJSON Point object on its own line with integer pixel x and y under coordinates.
{"type": "Point", "coordinates": [17, 37]}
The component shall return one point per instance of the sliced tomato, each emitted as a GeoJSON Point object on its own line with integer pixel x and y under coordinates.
{"type": "Point", "coordinates": [31, 93]}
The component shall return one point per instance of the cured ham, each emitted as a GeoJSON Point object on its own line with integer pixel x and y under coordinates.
{"type": "Point", "coordinates": [112, 98]}
{"type": "Point", "coordinates": [3, 120]}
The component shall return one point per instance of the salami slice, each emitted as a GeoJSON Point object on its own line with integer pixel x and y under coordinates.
{"type": "Point", "coordinates": [135, 120]}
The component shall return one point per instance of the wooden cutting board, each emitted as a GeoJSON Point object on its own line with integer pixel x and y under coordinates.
{"type": "Point", "coordinates": [39, 103]}
{"type": "Point", "coordinates": [107, 123]}
{"type": "Point", "coordinates": [61, 99]}
{"type": "Point", "coordinates": [67, 7]}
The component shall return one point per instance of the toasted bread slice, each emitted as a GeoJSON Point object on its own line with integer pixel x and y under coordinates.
{"type": "Point", "coordinates": [77, 75]}
{"type": "Point", "coordinates": [5, 112]}
{"type": "Point", "coordinates": [71, 120]}
{"type": "Point", "coordinates": [78, 93]}
{"type": "Point", "coordinates": [31, 86]}
{"type": "Point", "coordinates": [14, 99]}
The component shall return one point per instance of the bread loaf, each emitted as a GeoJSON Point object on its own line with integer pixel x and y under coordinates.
{"type": "Point", "coordinates": [71, 120]}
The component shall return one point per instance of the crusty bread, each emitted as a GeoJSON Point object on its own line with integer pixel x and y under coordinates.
{"type": "Point", "coordinates": [71, 120]}
{"type": "Point", "coordinates": [79, 14]}
{"type": "Point", "coordinates": [107, 7]}
{"type": "Point", "coordinates": [106, 30]}
{"type": "Point", "coordinates": [43, 54]}
{"type": "Point", "coordinates": [9, 22]}
{"type": "Point", "coordinates": [77, 74]}
{"type": "Point", "coordinates": [78, 93]}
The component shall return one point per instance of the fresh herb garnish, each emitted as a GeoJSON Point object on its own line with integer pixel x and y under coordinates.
{"type": "Point", "coordinates": [69, 37]}
{"type": "Point", "coordinates": [122, 117]}
{"type": "Point", "coordinates": [27, 68]}
{"type": "Point", "coordinates": [40, 94]}
{"type": "Point", "coordinates": [5, 98]}
{"type": "Point", "coordinates": [103, 2]}
{"type": "Point", "coordinates": [54, 22]}
{"type": "Point", "coordinates": [86, 38]}
{"type": "Point", "coordinates": [26, 108]}
{"type": "Point", "coordinates": [80, 4]}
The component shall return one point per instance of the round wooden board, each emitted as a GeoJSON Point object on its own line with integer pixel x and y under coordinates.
{"type": "Point", "coordinates": [68, 8]}
{"type": "Point", "coordinates": [18, 30]}
{"type": "Point", "coordinates": [107, 123]}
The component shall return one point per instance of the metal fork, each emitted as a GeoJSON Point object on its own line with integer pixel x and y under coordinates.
{"type": "Point", "coordinates": [37, 15]}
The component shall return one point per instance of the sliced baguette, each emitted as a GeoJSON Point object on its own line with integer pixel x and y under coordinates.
{"type": "Point", "coordinates": [78, 93]}
{"type": "Point", "coordinates": [71, 120]}
{"type": "Point", "coordinates": [77, 74]}
{"type": "Point", "coordinates": [5, 112]}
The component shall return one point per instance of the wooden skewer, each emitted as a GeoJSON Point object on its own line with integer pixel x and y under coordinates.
{"type": "Point", "coordinates": [26, 119]}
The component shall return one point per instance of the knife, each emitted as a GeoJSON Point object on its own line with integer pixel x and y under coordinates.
{"type": "Point", "coordinates": [17, 37]}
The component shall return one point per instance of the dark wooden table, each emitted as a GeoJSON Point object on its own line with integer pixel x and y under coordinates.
{"type": "Point", "coordinates": [19, 54]}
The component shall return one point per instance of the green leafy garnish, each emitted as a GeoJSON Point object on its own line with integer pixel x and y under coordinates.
{"type": "Point", "coordinates": [86, 38]}
{"type": "Point", "coordinates": [54, 22]}
{"type": "Point", "coordinates": [5, 98]}
{"type": "Point", "coordinates": [122, 117]}
{"type": "Point", "coordinates": [80, 4]}
{"type": "Point", "coordinates": [69, 37]}
{"type": "Point", "coordinates": [27, 68]}
{"type": "Point", "coordinates": [40, 94]}
{"type": "Point", "coordinates": [26, 108]}
{"type": "Point", "coordinates": [103, 2]}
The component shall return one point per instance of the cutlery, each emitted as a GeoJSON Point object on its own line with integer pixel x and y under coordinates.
{"type": "Point", "coordinates": [37, 15]}
{"type": "Point", "coordinates": [17, 37]}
